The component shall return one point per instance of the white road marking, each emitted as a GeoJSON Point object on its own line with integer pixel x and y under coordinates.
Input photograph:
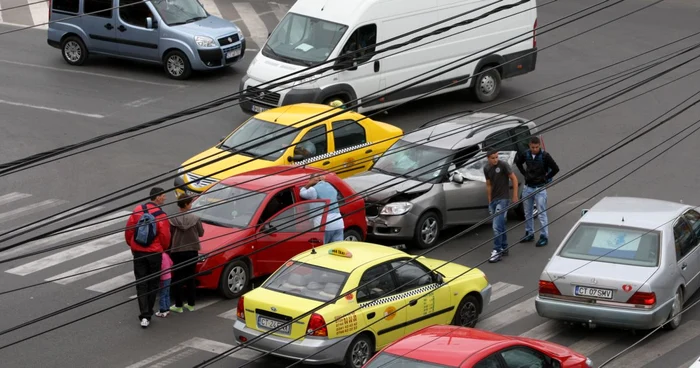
{"type": "Point", "coordinates": [689, 363]}
{"type": "Point", "coordinates": [642, 355]}
{"type": "Point", "coordinates": [1, 13]}
{"type": "Point", "coordinates": [158, 356]}
{"type": "Point", "coordinates": [142, 102]}
{"type": "Point", "coordinates": [40, 14]}
{"type": "Point", "coordinates": [132, 80]}
{"type": "Point", "coordinates": [53, 109]}
{"type": "Point", "coordinates": [22, 211]}
{"type": "Point", "coordinates": [62, 216]}
{"type": "Point", "coordinates": [501, 289]}
{"type": "Point", "coordinates": [211, 7]}
{"type": "Point", "coordinates": [508, 316]}
{"type": "Point", "coordinates": [113, 283]}
{"type": "Point", "coordinates": [229, 314]}
{"type": "Point", "coordinates": [174, 359]}
{"type": "Point", "coordinates": [280, 10]}
{"type": "Point", "coordinates": [67, 255]}
{"type": "Point", "coordinates": [591, 344]}
{"type": "Point", "coordinates": [544, 331]}
{"type": "Point", "coordinates": [11, 197]}
{"type": "Point", "coordinates": [201, 304]}
{"type": "Point", "coordinates": [219, 347]}
{"type": "Point", "coordinates": [257, 28]}
{"type": "Point", "coordinates": [114, 260]}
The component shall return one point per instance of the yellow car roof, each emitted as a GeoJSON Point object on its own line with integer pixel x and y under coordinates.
{"type": "Point", "coordinates": [293, 114]}
{"type": "Point", "coordinates": [345, 256]}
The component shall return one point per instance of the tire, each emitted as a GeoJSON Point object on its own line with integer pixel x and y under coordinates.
{"type": "Point", "coordinates": [352, 235]}
{"type": "Point", "coordinates": [361, 349]}
{"type": "Point", "coordinates": [177, 65]}
{"type": "Point", "coordinates": [487, 85]}
{"type": "Point", "coordinates": [74, 51]}
{"type": "Point", "coordinates": [235, 270]}
{"type": "Point", "coordinates": [676, 307]}
{"type": "Point", "coordinates": [429, 221]}
{"type": "Point", "coordinates": [467, 313]}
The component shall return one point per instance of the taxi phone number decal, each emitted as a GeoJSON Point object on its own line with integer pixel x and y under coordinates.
{"type": "Point", "coordinates": [345, 324]}
{"type": "Point", "coordinates": [429, 304]}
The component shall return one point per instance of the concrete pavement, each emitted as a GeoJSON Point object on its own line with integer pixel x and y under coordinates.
{"type": "Point", "coordinates": [49, 104]}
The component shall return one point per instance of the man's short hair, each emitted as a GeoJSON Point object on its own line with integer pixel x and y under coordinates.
{"type": "Point", "coordinates": [535, 140]}
{"type": "Point", "coordinates": [156, 192]}
{"type": "Point", "coordinates": [184, 200]}
{"type": "Point", "coordinates": [490, 151]}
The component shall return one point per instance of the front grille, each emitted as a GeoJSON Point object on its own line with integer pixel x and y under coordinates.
{"type": "Point", "coordinates": [197, 181]}
{"type": "Point", "coordinates": [260, 95]}
{"type": "Point", "coordinates": [228, 39]}
{"type": "Point", "coordinates": [372, 209]}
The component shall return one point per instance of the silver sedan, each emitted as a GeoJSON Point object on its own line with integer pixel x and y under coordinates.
{"type": "Point", "coordinates": [628, 263]}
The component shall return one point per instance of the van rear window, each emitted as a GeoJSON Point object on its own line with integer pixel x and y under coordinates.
{"type": "Point", "coordinates": [70, 6]}
{"type": "Point", "coordinates": [619, 245]}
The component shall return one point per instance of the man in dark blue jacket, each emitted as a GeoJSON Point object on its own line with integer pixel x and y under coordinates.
{"type": "Point", "coordinates": [538, 167]}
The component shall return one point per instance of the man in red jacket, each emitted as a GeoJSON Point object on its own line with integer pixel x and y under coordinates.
{"type": "Point", "coordinates": [148, 235]}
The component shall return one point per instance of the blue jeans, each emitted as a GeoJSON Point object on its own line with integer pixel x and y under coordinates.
{"type": "Point", "coordinates": [498, 207]}
{"type": "Point", "coordinates": [332, 236]}
{"type": "Point", "coordinates": [541, 200]}
{"type": "Point", "coordinates": [165, 295]}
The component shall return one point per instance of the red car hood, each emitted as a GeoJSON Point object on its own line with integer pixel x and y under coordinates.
{"type": "Point", "coordinates": [217, 237]}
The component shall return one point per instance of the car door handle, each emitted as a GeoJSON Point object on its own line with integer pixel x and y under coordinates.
{"type": "Point", "coordinates": [109, 26]}
{"type": "Point", "coordinates": [121, 28]}
{"type": "Point", "coordinates": [370, 315]}
{"type": "Point", "coordinates": [326, 163]}
{"type": "Point", "coordinates": [376, 66]}
{"type": "Point", "coordinates": [684, 266]}
{"type": "Point", "coordinates": [314, 241]}
{"type": "Point", "coordinates": [368, 151]}
{"type": "Point", "coordinates": [413, 302]}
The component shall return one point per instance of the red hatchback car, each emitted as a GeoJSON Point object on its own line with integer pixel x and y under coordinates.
{"type": "Point", "coordinates": [263, 207]}
{"type": "Point", "coordinates": [452, 346]}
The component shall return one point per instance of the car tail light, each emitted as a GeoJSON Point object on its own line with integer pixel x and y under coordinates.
{"type": "Point", "coordinates": [548, 287]}
{"type": "Point", "coordinates": [534, 35]}
{"type": "Point", "coordinates": [317, 326]}
{"type": "Point", "coordinates": [240, 310]}
{"type": "Point", "coordinates": [641, 298]}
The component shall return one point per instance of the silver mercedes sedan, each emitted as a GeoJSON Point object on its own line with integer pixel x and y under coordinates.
{"type": "Point", "coordinates": [628, 263]}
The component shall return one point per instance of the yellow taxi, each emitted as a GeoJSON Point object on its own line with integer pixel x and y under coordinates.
{"type": "Point", "coordinates": [363, 305]}
{"type": "Point", "coordinates": [344, 144]}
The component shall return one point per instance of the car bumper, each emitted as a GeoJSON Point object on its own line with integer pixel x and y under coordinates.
{"type": "Point", "coordinates": [636, 319]}
{"type": "Point", "coordinates": [486, 296]}
{"type": "Point", "coordinates": [215, 58]}
{"type": "Point", "coordinates": [283, 97]}
{"type": "Point", "coordinates": [392, 227]}
{"type": "Point", "coordinates": [179, 183]}
{"type": "Point", "coordinates": [326, 351]}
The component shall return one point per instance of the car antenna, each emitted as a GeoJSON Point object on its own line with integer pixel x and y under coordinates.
{"type": "Point", "coordinates": [623, 218]}
{"type": "Point", "coordinates": [313, 250]}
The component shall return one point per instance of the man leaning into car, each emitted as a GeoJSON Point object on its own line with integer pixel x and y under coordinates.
{"type": "Point", "coordinates": [318, 188]}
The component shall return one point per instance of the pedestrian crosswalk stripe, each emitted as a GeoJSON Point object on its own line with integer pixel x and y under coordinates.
{"type": "Point", "coordinates": [508, 316]}
{"type": "Point", "coordinates": [229, 314]}
{"type": "Point", "coordinates": [113, 283]}
{"type": "Point", "coordinates": [280, 10]}
{"type": "Point", "coordinates": [591, 344]}
{"type": "Point", "coordinates": [26, 210]}
{"type": "Point", "coordinates": [219, 348]}
{"type": "Point", "coordinates": [544, 331]}
{"type": "Point", "coordinates": [40, 13]}
{"type": "Point", "coordinates": [67, 255]}
{"type": "Point", "coordinates": [11, 197]}
{"type": "Point", "coordinates": [256, 27]}
{"type": "Point", "coordinates": [83, 271]}
{"type": "Point", "coordinates": [501, 289]}
{"type": "Point", "coordinates": [211, 7]}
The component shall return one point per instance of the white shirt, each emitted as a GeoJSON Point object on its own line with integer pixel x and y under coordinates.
{"type": "Point", "coordinates": [310, 193]}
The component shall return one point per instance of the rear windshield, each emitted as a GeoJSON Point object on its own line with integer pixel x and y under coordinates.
{"type": "Point", "coordinates": [307, 281]}
{"type": "Point", "coordinates": [619, 245]}
{"type": "Point", "coordinates": [386, 360]}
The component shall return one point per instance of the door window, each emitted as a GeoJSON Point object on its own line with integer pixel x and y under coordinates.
{"type": "Point", "coordinates": [693, 218]}
{"type": "Point", "coordinates": [490, 362]}
{"type": "Point", "coordinates": [303, 217]}
{"type": "Point", "coordinates": [98, 8]}
{"type": "Point", "coordinates": [70, 6]}
{"type": "Point", "coordinates": [313, 143]}
{"type": "Point", "coordinates": [525, 357]}
{"type": "Point", "coordinates": [348, 133]}
{"type": "Point", "coordinates": [371, 289]}
{"type": "Point", "coordinates": [410, 275]}
{"type": "Point", "coordinates": [462, 157]}
{"type": "Point", "coordinates": [278, 202]}
{"type": "Point", "coordinates": [500, 141]}
{"type": "Point", "coordinates": [134, 12]}
{"type": "Point", "coordinates": [685, 240]}
{"type": "Point", "coordinates": [365, 36]}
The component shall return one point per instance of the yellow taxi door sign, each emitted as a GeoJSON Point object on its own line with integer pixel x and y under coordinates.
{"type": "Point", "coordinates": [345, 324]}
{"type": "Point", "coordinates": [340, 252]}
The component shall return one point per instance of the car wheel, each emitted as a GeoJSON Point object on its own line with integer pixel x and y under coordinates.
{"type": "Point", "coordinates": [235, 279]}
{"type": "Point", "coordinates": [177, 65]}
{"type": "Point", "coordinates": [467, 313]}
{"type": "Point", "coordinates": [352, 235]}
{"type": "Point", "coordinates": [74, 51]}
{"type": "Point", "coordinates": [676, 309]}
{"type": "Point", "coordinates": [361, 349]}
{"type": "Point", "coordinates": [427, 230]}
{"type": "Point", "coordinates": [487, 85]}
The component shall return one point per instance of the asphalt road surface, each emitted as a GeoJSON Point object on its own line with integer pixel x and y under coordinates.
{"type": "Point", "coordinates": [44, 104]}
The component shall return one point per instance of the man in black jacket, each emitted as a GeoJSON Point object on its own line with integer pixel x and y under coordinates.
{"type": "Point", "coordinates": [538, 167]}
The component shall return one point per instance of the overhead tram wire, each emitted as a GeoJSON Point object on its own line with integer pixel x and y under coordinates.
{"type": "Point", "coordinates": [590, 162]}
{"type": "Point", "coordinates": [134, 191]}
{"type": "Point", "coordinates": [487, 219]}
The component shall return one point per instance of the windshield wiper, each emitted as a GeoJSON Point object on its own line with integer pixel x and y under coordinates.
{"type": "Point", "coordinates": [191, 20]}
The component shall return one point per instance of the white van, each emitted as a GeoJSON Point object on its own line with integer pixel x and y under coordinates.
{"type": "Point", "coordinates": [314, 31]}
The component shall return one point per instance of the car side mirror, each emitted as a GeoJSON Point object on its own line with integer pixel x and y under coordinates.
{"type": "Point", "coordinates": [457, 178]}
{"type": "Point", "coordinates": [268, 228]}
{"type": "Point", "coordinates": [345, 63]}
{"type": "Point", "coordinates": [437, 278]}
{"type": "Point", "coordinates": [150, 24]}
{"type": "Point", "coordinates": [295, 158]}
{"type": "Point", "coordinates": [584, 211]}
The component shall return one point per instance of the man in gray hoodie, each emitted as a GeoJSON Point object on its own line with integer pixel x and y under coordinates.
{"type": "Point", "coordinates": [185, 228]}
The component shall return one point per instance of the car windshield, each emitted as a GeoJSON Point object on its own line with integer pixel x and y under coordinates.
{"type": "Point", "coordinates": [217, 205]}
{"type": "Point", "coordinates": [174, 12]}
{"type": "Point", "coordinates": [307, 281]}
{"type": "Point", "coordinates": [253, 132]}
{"type": "Point", "coordinates": [619, 245]}
{"type": "Point", "coordinates": [413, 161]}
{"type": "Point", "coordinates": [302, 40]}
{"type": "Point", "coordinates": [386, 360]}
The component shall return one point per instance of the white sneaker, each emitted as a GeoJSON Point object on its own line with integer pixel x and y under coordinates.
{"type": "Point", "coordinates": [495, 256]}
{"type": "Point", "coordinates": [145, 322]}
{"type": "Point", "coordinates": [162, 314]}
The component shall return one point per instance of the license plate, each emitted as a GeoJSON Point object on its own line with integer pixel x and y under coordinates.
{"type": "Point", "coordinates": [257, 108]}
{"type": "Point", "coordinates": [594, 292]}
{"type": "Point", "coordinates": [233, 53]}
{"type": "Point", "coordinates": [270, 324]}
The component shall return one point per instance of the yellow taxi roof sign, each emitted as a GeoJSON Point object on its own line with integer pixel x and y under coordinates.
{"type": "Point", "coordinates": [340, 252]}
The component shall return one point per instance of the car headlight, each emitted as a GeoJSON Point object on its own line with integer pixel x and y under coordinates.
{"type": "Point", "coordinates": [397, 208]}
{"type": "Point", "coordinates": [204, 41]}
{"type": "Point", "coordinates": [240, 35]}
{"type": "Point", "coordinates": [181, 170]}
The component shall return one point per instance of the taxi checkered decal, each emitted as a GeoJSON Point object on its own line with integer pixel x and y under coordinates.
{"type": "Point", "coordinates": [392, 298]}
{"type": "Point", "coordinates": [331, 154]}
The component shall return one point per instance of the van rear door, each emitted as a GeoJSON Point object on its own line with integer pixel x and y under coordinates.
{"type": "Point", "coordinates": [100, 26]}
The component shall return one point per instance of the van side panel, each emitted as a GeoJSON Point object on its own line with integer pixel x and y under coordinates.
{"type": "Point", "coordinates": [65, 22]}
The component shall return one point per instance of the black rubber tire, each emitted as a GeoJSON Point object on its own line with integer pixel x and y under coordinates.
{"type": "Point", "coordinates": [672, 325]}
{"type": "Point", "coordinates": [360, 339]}
{"type": "Point", "coordinates": [70, 40]}
{"type": "Point", "coordinates": [472, 304]}
{"type": "Point", "coordinates": [490, 75]}
{"type": "Point", "coordinates": [417, 238]}
{"type": "Point", "coordinates": [223, 281]}
{"type": "Point", "coordinates": [187, 67]}
{"type": "Point", "coordinates": [354, 233]}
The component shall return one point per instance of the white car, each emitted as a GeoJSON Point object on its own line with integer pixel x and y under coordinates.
{"type": "Point", "coordinates": [696, 363]}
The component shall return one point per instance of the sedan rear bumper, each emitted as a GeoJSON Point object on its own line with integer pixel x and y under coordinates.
{"type": "Point", "coordinates": [636, 319]}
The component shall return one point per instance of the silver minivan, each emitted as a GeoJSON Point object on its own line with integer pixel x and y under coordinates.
{"type": "Point", "coordinates": [437, 184]}
{"type": "Point", "coordinates": [178, 34]}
